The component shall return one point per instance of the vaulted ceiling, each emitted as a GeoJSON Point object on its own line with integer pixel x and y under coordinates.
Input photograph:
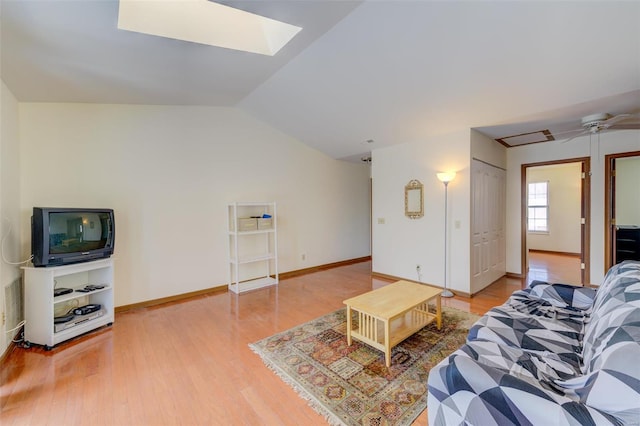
{"type": "Point", "coordinates": [386, 71]}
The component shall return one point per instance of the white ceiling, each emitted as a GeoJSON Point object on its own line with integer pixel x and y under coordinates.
{"type": "Point", "coordinates": [72, 51]}
{"type": "Point", "coordinates": [388, 71]}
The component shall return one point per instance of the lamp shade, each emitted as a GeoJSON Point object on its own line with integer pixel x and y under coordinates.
{"type": "Point", "coordinates": [446, 176]}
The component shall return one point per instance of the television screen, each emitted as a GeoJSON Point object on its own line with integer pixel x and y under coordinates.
{"type": "Point", "coordinates": [71, 232]}
{"type": "Point", "coordinates": [60, 236]}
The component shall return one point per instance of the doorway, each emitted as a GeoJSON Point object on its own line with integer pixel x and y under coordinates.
{"type": "Point", "coordinates": [622, 207]}
{"type": "Point", "coordinates": [555, 218]}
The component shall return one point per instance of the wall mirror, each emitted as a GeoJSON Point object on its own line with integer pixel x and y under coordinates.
{"type": "Point", "coordinates": [413, 203]}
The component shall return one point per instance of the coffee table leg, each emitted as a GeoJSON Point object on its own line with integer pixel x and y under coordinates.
{"type": "Point", "coordinates": [439, 311]}
{"type": "Point", "coordinates": [387, 343]}
{"type": "Point", "coordinates": [349, 325]}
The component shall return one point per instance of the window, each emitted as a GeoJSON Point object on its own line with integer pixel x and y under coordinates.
{"type": "Point", "coordinates": [538, 207]}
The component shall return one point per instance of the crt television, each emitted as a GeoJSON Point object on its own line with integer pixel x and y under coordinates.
{"type": "Point", "coordinates": [61, 236]}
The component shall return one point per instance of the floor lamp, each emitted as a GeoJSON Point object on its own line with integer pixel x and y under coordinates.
{"type": "Point", "coordinates": [446, 178]}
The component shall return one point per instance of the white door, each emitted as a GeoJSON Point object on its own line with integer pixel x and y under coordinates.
{"type": "Point", "coordinates": [498, 217]}
{"type": "Point", "coordinates": [488, 215]}
{"type": "Point", "coordinates": [479, 239]}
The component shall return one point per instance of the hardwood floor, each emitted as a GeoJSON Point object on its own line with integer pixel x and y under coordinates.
{"type": "Point", "coordinates": [556, 268]}
{"type": "Point", "coordinates": [189, 362]}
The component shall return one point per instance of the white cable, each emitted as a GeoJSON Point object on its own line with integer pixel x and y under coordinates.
{"type": "Point", "coordinates": [20, 324]}
{"type": "Point", "coordinates": [2, 248]}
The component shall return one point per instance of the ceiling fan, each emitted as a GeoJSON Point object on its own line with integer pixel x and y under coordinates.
{"type": "Point", "coordinates": [596, 123]}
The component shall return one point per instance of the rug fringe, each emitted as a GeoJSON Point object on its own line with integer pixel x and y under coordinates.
{"type": "Point", "coordinates": [331, 418]}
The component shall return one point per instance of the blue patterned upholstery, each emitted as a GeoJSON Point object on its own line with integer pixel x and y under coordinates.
{"type": "Point", "coordinates": [551, 355]}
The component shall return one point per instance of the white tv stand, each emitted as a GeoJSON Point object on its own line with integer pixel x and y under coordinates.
{"type": "Point", "coordinates": [41, 306]}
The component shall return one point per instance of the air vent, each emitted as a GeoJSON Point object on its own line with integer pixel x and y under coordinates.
{"type": "Point", "coordinates": [526, 138]}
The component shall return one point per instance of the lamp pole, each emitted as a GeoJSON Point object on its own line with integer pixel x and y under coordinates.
{"type": "Point", "coordinates": [446, 178]}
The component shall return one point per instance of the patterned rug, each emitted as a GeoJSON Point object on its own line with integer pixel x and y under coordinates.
{"type": "Point", "coordinates": [350, 385]}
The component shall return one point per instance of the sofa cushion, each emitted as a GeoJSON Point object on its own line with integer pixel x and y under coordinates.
{"type": "Point", "coordinates": [533, 325]}
{"type": "Point", "coordinates": [615, 276]}
{"type": "Point", "coordinates": [615, 315]}
{"type": "Point", "coordinates": [465, 391]}
{"type": "Point", "coordinates": [613, 385]}
{"type": "Point", "coordinates": [563, 295]}
{"type": "Point", "coordinates": [537, 367]}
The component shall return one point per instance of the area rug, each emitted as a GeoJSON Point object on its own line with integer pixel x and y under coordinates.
{"type": "Point", "coordinates": [351, 385]}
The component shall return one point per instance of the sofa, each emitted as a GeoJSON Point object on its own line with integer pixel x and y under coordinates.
{"type": "Point", "coordinates": [552, 354]}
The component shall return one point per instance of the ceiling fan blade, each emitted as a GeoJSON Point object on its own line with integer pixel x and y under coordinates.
{"type": "Point", "coordinates": [613, 120]}
{"type": "Point", "coordinates": [582, 133]}
{"type": "Point", "coordinates": [565, 132]}
{"type": "Point", "coordinates": [626, 125]}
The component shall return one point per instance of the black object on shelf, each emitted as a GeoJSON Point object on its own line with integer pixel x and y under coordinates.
{"type": "Point", "coordinates": [627, 243]}
{"type": "Point", "coordinates": [86, 309]}
{"type": "Point", "coordinates": [61, 291]}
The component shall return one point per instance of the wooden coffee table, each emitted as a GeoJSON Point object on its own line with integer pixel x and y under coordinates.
{"type": "Point", "coordinates": [390, 314]}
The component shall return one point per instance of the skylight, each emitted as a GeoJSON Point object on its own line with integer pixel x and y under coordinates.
{"type": "Point", "coordinates": [206, 22]}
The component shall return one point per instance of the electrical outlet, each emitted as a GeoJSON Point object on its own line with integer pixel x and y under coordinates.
{"type": "Point", "coordinates": [418, 268]}
{"type": "Point", "coordinates": [303, 256]}
{"type": "Point", "coordinates": [4, 319]}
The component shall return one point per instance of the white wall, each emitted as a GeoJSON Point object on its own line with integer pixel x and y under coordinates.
{"type": "Point", "coordinates": [565, 181]}
{"type": "Point", "coordinates": [609, 143]}
{"type": "Point", "coordinates": [627, 191]}
{"type": "Point", "coordinates": [488, 150]}
{"type": "Point", "coordinates": [9, 201]}
{"type": "Point", "coordinates": [402, 243]}
{"type": "Point", "coordinates": [169, 173]}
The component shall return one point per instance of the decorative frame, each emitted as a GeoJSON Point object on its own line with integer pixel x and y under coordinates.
{"type": "Point", "coordinates": [414, 199]}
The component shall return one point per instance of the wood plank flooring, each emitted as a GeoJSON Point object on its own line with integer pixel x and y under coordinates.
{"type": "Point", "coordinates": [188, 362]}
{"type": "Point", "coordinates": [556, 268]}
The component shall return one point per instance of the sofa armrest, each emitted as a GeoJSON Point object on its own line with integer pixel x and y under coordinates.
{"type": "Point", "coordinates": [462, 390]}
{"type": "Point", "coordinates": [563, 295]}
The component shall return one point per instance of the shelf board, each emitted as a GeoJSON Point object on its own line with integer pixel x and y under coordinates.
{"type": "Point", "coordinates": [251, 259]}
{"type": "Point", "coordinates": [85, 327]}
{"type": "Point", "coordinates": [258, 231]}
{"type": "Point", "coordinates": [253, 204]}
{"type": "Point", "coordinates": [74, 268]}
{"type": "Point", "coordinates": [77, 294]}
{"type": "Point", "coordinates": [253, 284]}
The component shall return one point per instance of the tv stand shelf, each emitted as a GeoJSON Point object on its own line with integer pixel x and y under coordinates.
{"type": "Point", "coordinates": [75, 294]}
{"type": "Point", "coordinates": [41, 306]}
